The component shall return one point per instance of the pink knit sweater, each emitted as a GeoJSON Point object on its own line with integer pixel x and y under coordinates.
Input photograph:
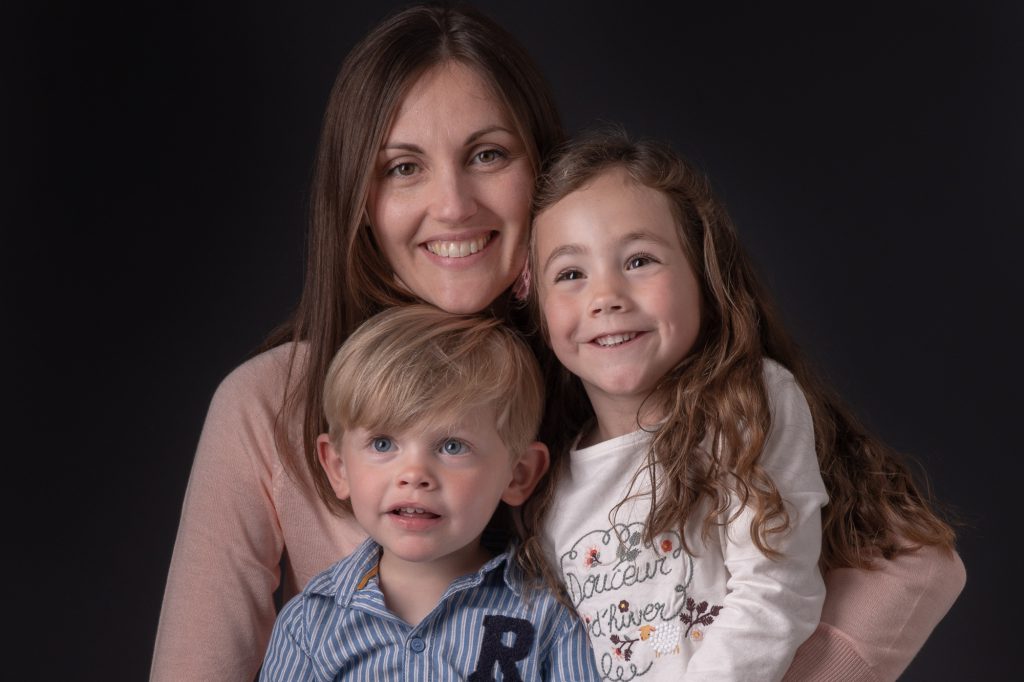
{"type": "Point", "coordinates": [245, 517]}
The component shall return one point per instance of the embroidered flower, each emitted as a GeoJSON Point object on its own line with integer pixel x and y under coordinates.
{"type": "Point", "coordinates": [623, 606]}
{"type": "Point", "coordinates": [666, 545]}
{"type": "Point", "coordinates": [696, 635]}
{"type": "Point", "coordinates": [593, 557]}
{"type": "Point", "coordinates": [618, 652]}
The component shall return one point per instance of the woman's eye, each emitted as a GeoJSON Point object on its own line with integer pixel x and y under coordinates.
{"type": "Point", "coordinates": [568, 275]}
{"type": "Point", "coordinates": [381, 444]}
{"type": "Point", "coordinates": [403, 170]}
{"type": "Point", "coordinates": [453, 446]}
{"type": "Point", "coordinates": [489, 156]}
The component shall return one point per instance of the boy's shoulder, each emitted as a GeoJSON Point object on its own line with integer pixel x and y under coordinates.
{"type": "Point", "coordinates": [331, 589]}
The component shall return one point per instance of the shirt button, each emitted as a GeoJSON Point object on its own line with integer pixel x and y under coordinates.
{"type": "Point", "coordinates": [417, 645]}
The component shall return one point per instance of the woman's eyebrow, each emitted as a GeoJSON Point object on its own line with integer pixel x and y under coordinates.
{"type": "Point", "coordinates": [473, 137]}
{"type": "Point", "coordinates": [565, 250]}
{"type": "Point", "coordinates": [402, 146]}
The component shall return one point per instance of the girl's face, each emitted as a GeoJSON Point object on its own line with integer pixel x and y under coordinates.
{"type": "Point", "coordinates": [449, 199]}
{"type": "Point", "coordinates": [621, 302]}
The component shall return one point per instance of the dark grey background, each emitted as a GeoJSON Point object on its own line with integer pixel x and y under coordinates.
{"type": "Point", "coordinates": [158, 159]}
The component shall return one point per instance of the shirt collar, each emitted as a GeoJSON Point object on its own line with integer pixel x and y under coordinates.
{"type": "Point", "coordinates": [351, 575]}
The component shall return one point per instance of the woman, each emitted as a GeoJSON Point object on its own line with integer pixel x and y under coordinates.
{"type": "Point", "coordinates": [433, 134]}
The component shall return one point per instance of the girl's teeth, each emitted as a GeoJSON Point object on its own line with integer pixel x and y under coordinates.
{"type": "Point", "coordinates": [615, 339]}
{"type": "Point", "coordinates": [458, 249]}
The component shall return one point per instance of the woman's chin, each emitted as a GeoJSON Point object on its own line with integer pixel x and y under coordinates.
{"type": "Point", "coordinates": [467, 298]}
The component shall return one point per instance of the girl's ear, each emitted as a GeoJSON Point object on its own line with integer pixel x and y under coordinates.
{"type": "Point", "coordinates": [334, 466]}
{"type": "Point", "coordinates": [526, 474]}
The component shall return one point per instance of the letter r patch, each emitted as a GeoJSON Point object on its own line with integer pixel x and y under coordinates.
{"type": "Point", "coordinates": [493, 650]}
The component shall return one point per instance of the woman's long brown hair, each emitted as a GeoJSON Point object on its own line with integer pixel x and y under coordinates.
{"type": "Point", "coordinates": [717, 396]}
{"type": "Point", "coordinates": [347, 279]}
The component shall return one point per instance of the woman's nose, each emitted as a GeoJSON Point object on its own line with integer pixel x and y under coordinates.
{"type": "Point", "coordinates": [452, 197]}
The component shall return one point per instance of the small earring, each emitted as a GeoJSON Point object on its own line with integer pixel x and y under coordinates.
{"type": "Point", "coordinates": [521, 287]}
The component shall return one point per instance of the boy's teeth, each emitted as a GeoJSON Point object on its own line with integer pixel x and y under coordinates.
{"type": "Point", "coordinates": [411, 510]}
{"type": "Point", "coordinates": [458, 249]}
{"type": "Point", "coordinates": [614, 339]}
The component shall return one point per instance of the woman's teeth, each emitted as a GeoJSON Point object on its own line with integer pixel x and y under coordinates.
{"type": "Point", "coordinates": [614, 339]}
{"type": "Point", "coordinates": [458, 249]}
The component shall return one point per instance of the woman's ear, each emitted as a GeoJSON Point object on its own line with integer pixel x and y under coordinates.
{"type": "Point", "coordinates": [334, 466]}
{"type": "Point", "coordinates": [526, 474]}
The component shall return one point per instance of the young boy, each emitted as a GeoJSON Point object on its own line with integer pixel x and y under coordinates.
{"type": "Point", "coordinates": [431, 423]}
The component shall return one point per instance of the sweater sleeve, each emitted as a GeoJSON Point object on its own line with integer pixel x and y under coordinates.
{"type": "Point", "coordinates": [218, 607]}
{"type": "Point", "coordinates": [772, 605]}
{"type": "Point", "coordinates": [875, 621]}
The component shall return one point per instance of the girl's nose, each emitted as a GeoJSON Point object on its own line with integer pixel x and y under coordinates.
{"type": "Point", "coordinates": [608, 296]}
{"type": "Point", "coordinates": [452, 199]}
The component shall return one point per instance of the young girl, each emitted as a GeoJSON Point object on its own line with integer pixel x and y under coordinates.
{"type": "Point", "coordinates": [687, 517]}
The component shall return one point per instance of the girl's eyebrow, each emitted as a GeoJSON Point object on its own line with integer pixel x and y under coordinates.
{"type": "Point", "coordinates": [473, 137]}
{"type": "Point", "coordinates": [564, 250]}
{"type": "Point", "coordinates": [642, 237]}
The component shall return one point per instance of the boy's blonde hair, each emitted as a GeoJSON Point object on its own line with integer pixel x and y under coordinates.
{"type": "Point", "coordinates": [417, 364]}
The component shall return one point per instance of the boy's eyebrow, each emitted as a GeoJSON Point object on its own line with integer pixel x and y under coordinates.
{"type": "Point", "coordinates": [564, 250]}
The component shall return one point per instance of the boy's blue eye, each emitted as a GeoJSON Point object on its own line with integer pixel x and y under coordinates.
{"type": "Point", "coordinates": [453, 446]}
{"type": "Point", "coordinates": [382, 444]}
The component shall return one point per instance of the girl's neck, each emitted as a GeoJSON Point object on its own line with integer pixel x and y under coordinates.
{"type": "Point", "coordinates": [617, 417]}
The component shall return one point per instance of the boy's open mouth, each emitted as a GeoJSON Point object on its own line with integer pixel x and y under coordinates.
{"type": "Point", "coordinates": [414, 512]}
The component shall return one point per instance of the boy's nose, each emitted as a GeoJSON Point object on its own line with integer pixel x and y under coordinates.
{"type": "Point", "coordinates": [414, 474]}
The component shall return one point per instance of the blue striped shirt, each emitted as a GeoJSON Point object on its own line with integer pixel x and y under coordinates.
{"type": "Point", "coordinates": [482, 629]}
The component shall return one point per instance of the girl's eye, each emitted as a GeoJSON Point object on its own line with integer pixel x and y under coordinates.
{"type": "Point", "coordinates": [382, 444]}
{"type": "Point", "coordinates": [404, 169]}
{"type": "Point", "coordinates": [568, 275]}
{"type": "Point", "coordinates": [454, 446]}
{"type": "Point", "coordinates": [489, 156]}
{"type": "Point", "coordinates": [638, 261]}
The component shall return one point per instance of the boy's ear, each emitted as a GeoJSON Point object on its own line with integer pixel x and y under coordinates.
{"type": "Point", "coordinates": [526, 473]}
{"type": "Point", "coordinates": [334, 466]}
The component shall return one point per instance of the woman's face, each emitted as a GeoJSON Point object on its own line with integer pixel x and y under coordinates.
{"type": "Point", "coordinates": [449, 200]}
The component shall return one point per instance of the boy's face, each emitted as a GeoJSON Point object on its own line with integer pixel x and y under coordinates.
{"type": "Point", "coordinates": [425, 494]}
{"type": "Point", "coordinates": [620, 300]}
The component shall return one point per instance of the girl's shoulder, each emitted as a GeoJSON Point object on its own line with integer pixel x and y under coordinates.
{"type": "Point", "coordinates": [776, 374]}
{"type": "Point", "coordinates": [780, 382]}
